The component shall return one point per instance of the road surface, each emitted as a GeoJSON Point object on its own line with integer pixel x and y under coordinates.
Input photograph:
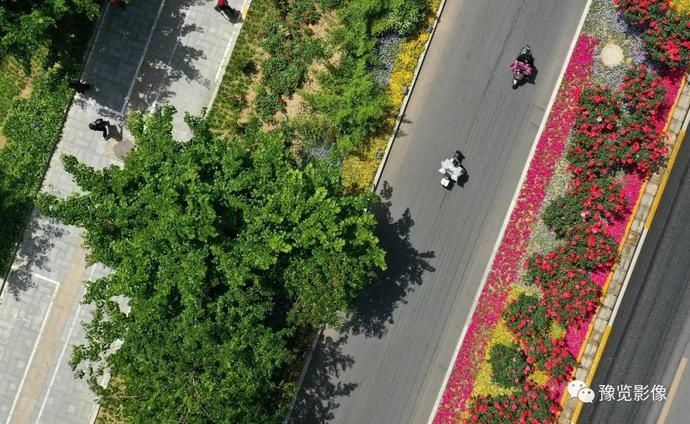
{"type": "Point", "coordinates": [648, 344]}
{"type": "Point", "coordinates": [388, 364]}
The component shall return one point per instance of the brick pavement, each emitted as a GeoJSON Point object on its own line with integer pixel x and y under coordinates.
{"type": "Point", "coordinates": [166, 51]}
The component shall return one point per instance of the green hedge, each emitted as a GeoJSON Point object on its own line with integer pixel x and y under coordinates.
{"type": "Point", "coordinates": [32, 128]}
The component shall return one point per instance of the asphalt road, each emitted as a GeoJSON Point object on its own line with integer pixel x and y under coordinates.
{"type": "Point", "coordinates": [651, 332]}
{"type": "Point", "coordinates": [388, 364]}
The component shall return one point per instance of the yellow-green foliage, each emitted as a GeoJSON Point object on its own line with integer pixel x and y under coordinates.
{"type": "Point", "coordinates": [483, 384]}
{"type": "Point", "coordinates": [681, 6]}
{"type": "Point", "coordinates": [557, 331]}
{"type": "Point", "coordinates": [359, 168]}
{"type": "Point", "coordinates": [540, 377]}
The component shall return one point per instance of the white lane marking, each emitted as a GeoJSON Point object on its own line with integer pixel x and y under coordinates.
{"type": "Point", "coordinates": [672, 391]}
{"type": "Point", "coordinates": [510, 211]}
{"type": "Point", "coordinates": [62, 354]}
{"type": "Point", "coordinates": [33, 353]}
{"type": "Point", "coordinates": [631, 268]}
{"type": "Point", "coordinates": [141, 60]}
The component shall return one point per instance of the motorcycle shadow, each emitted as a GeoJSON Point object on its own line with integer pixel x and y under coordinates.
{"type": "Point", "coordinates": [464, 178]}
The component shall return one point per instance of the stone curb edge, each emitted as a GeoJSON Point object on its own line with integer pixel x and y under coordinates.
{"type": "Point", "coordinates": [630, 246]}
{"type": "Point", "coordinates": [403, 107]}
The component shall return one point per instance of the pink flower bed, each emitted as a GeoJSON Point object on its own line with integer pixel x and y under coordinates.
{"type": "Point", "coordinates": [506, 265]}
{"type": "Point", "coordinates": [632, 184]}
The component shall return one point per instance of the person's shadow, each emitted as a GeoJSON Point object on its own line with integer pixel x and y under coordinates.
{"type": "Point", "coordinates": [465, 177]}
{"type": "Point", "coordinates": [533, 78]}
{"type": "Point", "coordinates": [114, 132]}
{"type": "Point", "coordinates": [231, 14]}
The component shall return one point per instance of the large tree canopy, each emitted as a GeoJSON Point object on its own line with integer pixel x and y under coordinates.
{"type": "Point", "coordinates": [223, 250]}
{"type": "Point", "coordinates": [27, 24]}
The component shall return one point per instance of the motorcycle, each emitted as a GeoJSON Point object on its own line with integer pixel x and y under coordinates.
{"type": "Point", "coordinates": [451, 169]}
{"type": "Point", "coordinates": [522, 66]}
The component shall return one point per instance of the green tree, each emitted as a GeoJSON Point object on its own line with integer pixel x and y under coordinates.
{"type": "Point", "coordinates": [27, 24]}
{"type": "Point", "coordinates": [223, 251]}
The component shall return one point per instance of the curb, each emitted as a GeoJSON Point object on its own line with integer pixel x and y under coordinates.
{"type": "Point", "coordinates": [403, 107]}
{"type": "Point", "coordinates": [630, 246]}
{"type": "Point", "coordinates": [227, 55]}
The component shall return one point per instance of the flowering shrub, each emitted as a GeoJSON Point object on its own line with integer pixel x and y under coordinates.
{"type": "Point", "coordinates": [532, 404]}
{"type": "Point", "coordinates": [509, 365]}
{"type": "Point", "coordinates": [605, 140]}
{"type": "Point", "coordinates": [681, 6]}
{"type": "Point", "coordinates": [588, 202]}
{"type": "Point", "coordinates": [568, 300]}
{"type": "Point", "coordinates": [525, 316]}
{"type": "Point", "coordinates": [642, 90]}
{"type": "Point", "coordinates": [666, 32]}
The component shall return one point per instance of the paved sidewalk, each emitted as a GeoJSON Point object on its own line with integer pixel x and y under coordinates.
{"type": "Point", "coordinates": [155, 52]}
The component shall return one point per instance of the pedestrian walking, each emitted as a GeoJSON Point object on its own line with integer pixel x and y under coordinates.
{"type": "Point", "coordinates": [122, 4]}
{"type": "Point", "coordinates": [100, 125]}
{"type": "Point", "coordinates": [79, 86]}
{"type": "Point", "coordinates": [222, 6]}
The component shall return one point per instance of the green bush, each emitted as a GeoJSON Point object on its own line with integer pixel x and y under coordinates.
{"type": "Point", "coordinates": [267, 103]}
{"type": "Point", "coordinates": [508, 364]}
{"type": "Point", "coordinates": [527, 317]}
{"type": "Point", "coordinates": [405, 16]}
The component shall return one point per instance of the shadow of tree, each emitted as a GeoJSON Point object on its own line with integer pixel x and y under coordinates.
{"type": "Point", "coordinates": [316, 399]}
{"type": "Point", "coordinates": [33, 253]}
{"type": "Point", "coordinates": [406, 266]}
{"type": "Point", "coordinates": [121, 44]}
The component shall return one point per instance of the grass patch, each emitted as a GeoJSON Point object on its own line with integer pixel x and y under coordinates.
{"type": "Point", "coordinates": [33, 104]}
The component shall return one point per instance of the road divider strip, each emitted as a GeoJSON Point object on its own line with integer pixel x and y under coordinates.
{"type": "Point", "coordinates": [647, 192]}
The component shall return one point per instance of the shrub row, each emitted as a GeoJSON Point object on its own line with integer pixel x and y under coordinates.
{"type": "Point", "coordinates": [614, 132]}
{"type": "Point", "coordinates": [32, 128]}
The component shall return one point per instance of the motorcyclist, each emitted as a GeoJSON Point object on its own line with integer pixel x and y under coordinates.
{"type": "Point", "coordinates": [525, 56]}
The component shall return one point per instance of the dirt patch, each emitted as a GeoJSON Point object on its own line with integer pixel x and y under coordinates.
{"type": "Point", "coordinates": [322, 28]}
{"type": "Point", "coordinates": [26, 91]}
{"type": "Point", "coordinates": [3, 141]}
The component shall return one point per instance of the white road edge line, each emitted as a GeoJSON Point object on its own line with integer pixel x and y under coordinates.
{"type": "Point", "coordinates": [62, 354]}
{"type": "Point", "coordinates": [631, 268]}
{"type": "Point", "coordinates": [510, 211]}
{"type": "Point", "coordinates": [141, 60]}
{"type": "Point", "coordinates": [672, 391]}
{"type": "Point", "coordinates": [33, 353]}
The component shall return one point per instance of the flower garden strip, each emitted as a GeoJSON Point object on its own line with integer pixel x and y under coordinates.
{"type": "Point", "coordinates": [545, 298]}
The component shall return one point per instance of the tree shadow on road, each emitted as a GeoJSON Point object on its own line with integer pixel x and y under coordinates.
{"type": "Point", "coordinates": [33, 254]}
{"type": "Point", "coordinates": [406, 266]}
{"type": "Point", "coordinates": [316, 401]}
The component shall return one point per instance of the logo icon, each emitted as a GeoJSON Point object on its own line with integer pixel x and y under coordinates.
{"type": "Point", "coordinates": [578, 389]}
